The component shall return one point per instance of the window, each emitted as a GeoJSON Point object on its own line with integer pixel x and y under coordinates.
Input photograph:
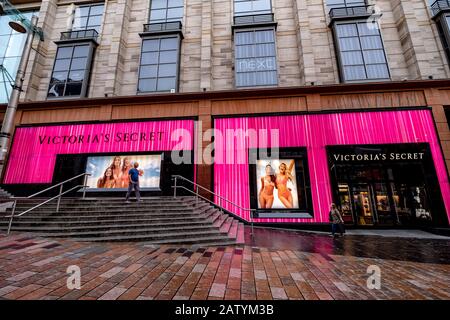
{"type": "Point", "coordinates": [11, 47]}
{"type": "Point", "coordinates": [360, 51]}
{"type": "Point", "coordinates": [331, 4]}
{"type": "Point", "coordinates": [166, 11]}
{"type": "Point", "coordinates": [159, 64]}
{"type": "Point", "coordinates": [71, 71]}
{"type": "Point", "coordinates": [88, 17]}
{"type": "Point", "coordinates": [252, 7]}
{"type": "Point", "coordinates": [255, 63]}
{"type": "Point", "coordinates": [443, 30]}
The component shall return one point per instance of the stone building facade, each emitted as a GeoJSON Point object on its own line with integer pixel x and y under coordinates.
{"type": "Point", "coordinates": [207, 60]}
{"type": "Point", "coordinates": [305, 48]}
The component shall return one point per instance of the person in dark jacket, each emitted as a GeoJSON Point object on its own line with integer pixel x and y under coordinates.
{"type": "Point", "coordinates": [337, 223]}
{"type": "Point", "coordinates": [133, 175]}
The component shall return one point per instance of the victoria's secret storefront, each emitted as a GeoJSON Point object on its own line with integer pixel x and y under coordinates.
{"type": "Point", "coordinates": [386, 185]}
{"type": "Point", "coordinates": [382, 168]}
{"type": "Point", "coordinates": [44, 155]}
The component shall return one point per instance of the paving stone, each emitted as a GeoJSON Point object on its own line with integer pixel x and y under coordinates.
{"type": "Point", "coordinates": [35, 268]}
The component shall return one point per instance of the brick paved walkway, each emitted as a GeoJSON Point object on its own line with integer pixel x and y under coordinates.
{"type": "Point", "coordinates": [35, 268]}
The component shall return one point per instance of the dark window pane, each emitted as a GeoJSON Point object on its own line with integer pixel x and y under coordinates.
{"type": "Point", "coordinates": [372, 42]}
{"type": "Point", "coordinates": [351, 58]}
{"type": "Point", "coordinates": [377, 71]}
{"type": "Point", "coordinates": [245, 51]}
{"type": "Point", "coordinates": [158, 4]}
{"type": "Point", "coordinates": [367, 29]}
{"type": "Point", "coordinates": [96, 10]}
{"type": "Point", "coordinates": [167, 70]}
{"type": "Point", "coordinates": [147, 85]}
{"type": "Point", "coordinates": [169, 43]}
{"type": "Point", "coordinates": [266, 78]}
{"type": "Point", "coordinates": [150, 57]}
{"type": "Point", "coordinates": [64, 52]}
{"type": "Point", "coordinates": [80, 23]}
{"type": "Point", "coordinates": [150, 45]}
{"type": "Point", "coordinates": [166, 84]}
{"type": "Point", "coordinates": [242, 38]}
{"type": "Point", "coordinates": [59, 76]}
{"type": "Point", "coordinates": [56, 89]}
{"type": "Point", "coordinates": [175, 13]}
{"type": "Point", "coordinates": [175, 3]}
{"type": "Point", "coordinates": [264, 36]}
{"type": "Point", "coordinates": [62, 65]}
{"type": "Point", "coordinates": [157, 15]}
{"type": "Point", "coordinates": [244, 6]}
{"type": "Point", "coordinates": [148, 71]}
{"type": "Point", "coordinates": [346, 30]}
{"type": "Point", "coordinates": [354, 73]}
{"type": "Point", "coordinates": [264, 50]}
{"type": "Point", "coordinates": [374, 56]}
{"type": "Point", "coordinates": [349, 44]}
{"type": "Point", "coordinates": [81, 51]}
{"type": "Point", "coordinates": [245, 79]}
{"type": "Point", "coordinates": [73, 88]}
{"type": "Point", "coordinates": [78, 63]}
{"type": "Point", "coordinates": [94, 21]}
{"type": "Point", "coordinates": [76, 75]}
{"type": "Point", "coordinates": [168, 56]}
{"type": "Point", "coordinates": [82, 11]}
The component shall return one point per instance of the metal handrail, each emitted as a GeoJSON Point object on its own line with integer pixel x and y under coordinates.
{"type": "Point", "coordinates": [58, 184]}
{"type": "Point", "coordinates": [197, 186]}
{"type": "Point", "coordinates": [58, 196]}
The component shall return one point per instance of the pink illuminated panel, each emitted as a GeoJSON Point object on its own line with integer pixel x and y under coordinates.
{"type": "Point", "coordinates": [315, 132]}
{"type": "Point", "coordinates": [34, 149]}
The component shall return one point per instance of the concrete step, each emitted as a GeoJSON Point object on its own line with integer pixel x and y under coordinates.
{"type": "Point", "coordinates": [101, 211]}
{"type": "Point", "coordinates": [100, 227]}
{"type": "Point", "coordinates": [162, 220]}
{"type": "Point", "coordinates": [158, 232]}
{"type": "Point", "coordinates": [227, 224]}
{"type": "Point", "coordinates": [232, 232]}
{"type": "Point", "coordinates": [240, 237]}
{"type": "Point", "coordinates": [99, 215]}
{"type": "Point", "coordinates": [185, 239]}
{"type": "Point", "coordinates": [24, 226]}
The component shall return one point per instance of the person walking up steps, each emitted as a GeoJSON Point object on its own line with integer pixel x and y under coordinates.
{"type": "Point", "coordinates": [133, 175]}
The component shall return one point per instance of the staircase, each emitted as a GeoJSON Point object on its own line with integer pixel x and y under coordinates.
{"type": "Point", "coordinates": [156, 220]}
{"type": "Point", "coordinates": [4, 194]}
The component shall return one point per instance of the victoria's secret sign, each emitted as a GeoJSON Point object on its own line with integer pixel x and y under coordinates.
{"type": "Point", "coordinates": [392, 156]}
{"type": "Point", "coordinates": [102, 138]}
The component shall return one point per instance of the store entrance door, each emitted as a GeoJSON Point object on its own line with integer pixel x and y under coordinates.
{"type": "Point", "coordinates": [385, 190]}
{"type": "Point", "coordinates": [363, 204]}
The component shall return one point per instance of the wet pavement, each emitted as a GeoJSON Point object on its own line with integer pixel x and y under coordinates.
{"type": "Point", "coordinates": [275, 264]}
{"type": "Point", "coordinates": [372, 246]}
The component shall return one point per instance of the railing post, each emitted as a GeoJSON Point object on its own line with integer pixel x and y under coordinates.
{"type": "Point", "coordinates": [196, 193]}
{"type": "Point", "coordinates": [13, 211]}
{"type": "Point", "coordinates": [175, 187]}
{"type": "Point", "coordinates": [251, 221]}
{"type": "Point", "coordinates": [59, 198]}
{"type": "Point", "coordinates": [84, 186]}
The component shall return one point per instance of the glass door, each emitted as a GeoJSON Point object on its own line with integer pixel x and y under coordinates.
{"type": "Point", "coordinates": [345, 203]}
{"type": "Point", "coordinates": [383, 206]}
{"type": "Point", "coordinates": [363, 204]}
